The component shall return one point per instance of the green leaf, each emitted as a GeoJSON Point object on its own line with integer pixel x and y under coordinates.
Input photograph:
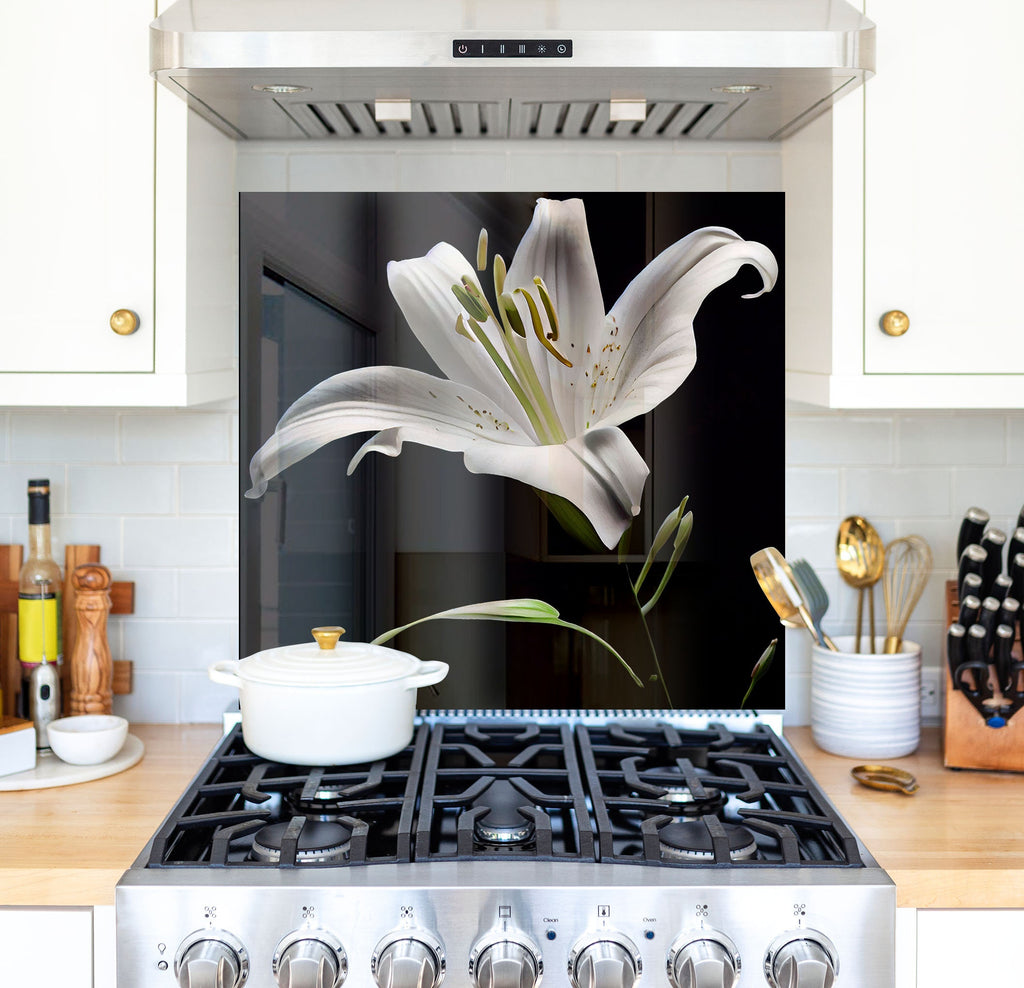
{"type": "Point", "coordinates": [760, 668]}
{"type": "Point", "coordinates": [525, 610]}
{"type": "Point", "coordinates": [678, 547]}
{"type": "Point", "coordinates": [664, 533]}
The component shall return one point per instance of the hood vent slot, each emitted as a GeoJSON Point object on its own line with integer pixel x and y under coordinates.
{"type": "Point", "coordinates": [355, 119]}
{"type": "Point", "coordinates": [581, 119]}
{"type": "Point", "coordinates": [574, 119]}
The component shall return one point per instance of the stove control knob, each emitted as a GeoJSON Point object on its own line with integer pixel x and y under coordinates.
{"type": "Point", "coordinates": [310, 959]}
{"type": "Point", "coordinates": [211, 959]}
{"type": "Point", "coordinates": [505, 961]}
{"type": "Point", "coordinates": [801, 959]}
{"type": "Point", "coordinates": [705, 960]}
{"type": "Point", "coordinates": [606, 960]}
{"type": "Point", "coordinates": [408, 959]}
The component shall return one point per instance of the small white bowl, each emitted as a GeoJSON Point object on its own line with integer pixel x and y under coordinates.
{"type": "Point", "coordinates": [88, 739]}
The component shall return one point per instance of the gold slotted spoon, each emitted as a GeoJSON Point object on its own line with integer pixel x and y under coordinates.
{"type": "Point", "coordinates": [860, 559]}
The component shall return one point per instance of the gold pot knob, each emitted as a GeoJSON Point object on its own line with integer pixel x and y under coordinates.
{"type": "Point", "coordinates": [124, 322]}
{"type": "Point", "coordinates": [327, 637]}
{"type": "Point", "coordinates": [895, 323]}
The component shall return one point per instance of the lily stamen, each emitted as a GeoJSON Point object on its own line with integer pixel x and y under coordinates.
{"type": "Point", "coordinates": [538, 328]}
{"type": "Point", "coordinates": [549, 307]}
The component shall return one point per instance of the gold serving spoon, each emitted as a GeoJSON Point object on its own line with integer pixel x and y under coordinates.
{"type": "Point", "coordinates": [860, 559]}
{"type": "Point", "coordinates": [776, 580]}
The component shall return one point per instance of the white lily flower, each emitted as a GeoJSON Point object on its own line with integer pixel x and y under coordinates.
{"type": "Point", "coordinates": [535, 386]}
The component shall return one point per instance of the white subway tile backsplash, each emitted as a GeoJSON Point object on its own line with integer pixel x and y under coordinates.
{"type": "Point", "coordinates": [364, 172]}
{"type": "Point", "coordinates": [654, 172]}
{"type": "Point", "coordinates": [896, 493]}
{"type": "Point", "coordinates": [1000, 491]}
{"type": "Point", "coordinates": [14, 478]}
{"type": "Point", "coordinates": [101, 530]}
{"type": "Point", "coordinates": [564, 170]}
{"type": "Point", "coordinates": [261, 172]}
{"type": "Point", "coordinates": [1015, 439]}
{"type": "Point", "coordinates": [812, 492]}
{"type": "Point", "coordinates": [203, 701]}
{"type": "Point", "coordinates": [839, 440]}
{"type": "Point", "coordinates": [175, 437]}
{"type": "Point", "coordinates": [942, 440]}
{"type": "Point", "coordinates": [75, 437]}
{"type": "Point", "coordinates": [813, 541]}
{"type": "Point", "coordinates": [178, 542]}
{"type": "Point", "coordinates": [122, 490]}
{"type": "Point", "coordinates": [210, 490]}
{"type": "Point", "coordinates": [433, 172]}
{"type": "Point", "coordinates": [154, 699]}
{"type": "Point", "coordinates": [755, 172]}
{"type": "Point", "coordinates": [156, 591]}
{"type": "Point", "coordinates": [179, 645]}
{"type": "Point", "coordinates": [4, 427]}
{"type": "Point", "coordinates": [208, 593]}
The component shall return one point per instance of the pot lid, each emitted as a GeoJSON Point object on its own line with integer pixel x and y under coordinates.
{"type": "Point", "coordinates": [328, 662]}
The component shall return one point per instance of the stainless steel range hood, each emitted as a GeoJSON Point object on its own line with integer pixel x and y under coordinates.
{"type": "Point", "coordinates": [407, 69]}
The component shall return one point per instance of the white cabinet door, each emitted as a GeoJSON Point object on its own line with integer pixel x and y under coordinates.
{"type": "Point", "coordinates": [944, 201]}
{"type": "Point", "coordinates": [907, 196]}
{"type": "Point", "coordinates": [44, 946]}
{"type": "Point", "coordinates": [76, 186]}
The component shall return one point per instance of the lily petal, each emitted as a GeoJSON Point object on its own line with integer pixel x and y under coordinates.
{"type": "Point", "coordinates": [417, 406]}
{"type": "Point", "coordinates": [556, 248]}
{"type": "Point", "coordinates": [653, 319]}
{"type": "Point", "coordinates": [422, 286]}
{"type": "Point", "coordinates": [600, 472]}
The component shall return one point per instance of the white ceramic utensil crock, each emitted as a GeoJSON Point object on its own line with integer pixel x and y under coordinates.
{"type": "Point", "coordinates": [326, 703]}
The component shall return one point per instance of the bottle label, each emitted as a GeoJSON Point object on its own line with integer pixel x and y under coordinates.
{"type": "Point", "coordinates": [39, 629]}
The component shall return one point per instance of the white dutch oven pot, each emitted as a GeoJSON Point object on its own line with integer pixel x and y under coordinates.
{"type": "Point", "coordinates": [327, 703]}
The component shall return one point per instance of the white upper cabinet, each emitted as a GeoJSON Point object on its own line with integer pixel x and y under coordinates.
{"type": "Point", "coordinates": [908, 198]}
{"type": "Point", "coordinates": [97, 217]}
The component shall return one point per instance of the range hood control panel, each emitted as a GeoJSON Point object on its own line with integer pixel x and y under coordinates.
{"type": "Point", "coordinates": [512, 48]}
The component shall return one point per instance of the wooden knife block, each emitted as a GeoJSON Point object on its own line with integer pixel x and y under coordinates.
{"type": "Point", "coordinates": [122, 596]}
{"type": "Point", "coordinates": [967, 741]}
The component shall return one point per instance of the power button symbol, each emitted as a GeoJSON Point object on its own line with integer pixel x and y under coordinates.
{"type": "Point", "coordinates": [463, 49]}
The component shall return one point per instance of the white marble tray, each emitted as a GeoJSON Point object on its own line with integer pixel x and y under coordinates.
{"type": "Point", "coordinates": [50, 771]}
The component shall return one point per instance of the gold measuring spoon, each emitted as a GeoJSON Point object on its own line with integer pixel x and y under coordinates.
{"type": "Point", "coordinates": [860, 559]}
{"type": "Point", "coordinates": [776, 580]}
{"type": "Point", "coordinates": [885, 777]}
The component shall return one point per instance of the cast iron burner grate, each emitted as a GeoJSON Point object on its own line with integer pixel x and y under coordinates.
{"type": "Point", "coordinates": [636, 774]}
{"type": "Point", "coordinates": [504, 790]}
{"type": "Point", "coordinates": [237, 794]}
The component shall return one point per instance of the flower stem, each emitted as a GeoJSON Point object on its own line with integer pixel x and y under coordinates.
{"type": "Point", "coordinates": [650, 640]}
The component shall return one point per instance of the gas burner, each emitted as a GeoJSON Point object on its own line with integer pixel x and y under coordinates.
{"type": "Point", "coordinates": [691, 841]}
{"type": "Point", "coordinates": [319, 843]}
{"type": "Point", "coordinates": [327, 803]}
{"type": "Point", "coordinates": [682, 802]}
{"type": "Point", "coordinates": [503, 824]}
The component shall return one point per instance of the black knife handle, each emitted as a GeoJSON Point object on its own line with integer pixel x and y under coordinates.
{"type": "Point", "coordinates": [970, 607]}
{"type": "Point", "coordinates": [1001, 587]}
{"type": "Point", "coordinates": [981, 690]}
{"type": "Point", "coordinates": [975, 520]}
{"type": "Point", "coordinates": [988, 618]}
{"type": "Point", "coordinates": [972, 560]}
{"type": "Point", "coordinates": [1009, 612]}
{"type": "Point", "coordinates": [993, 542]}
{"type": "Point", "coordinates": [1017, 575]}
{"type": "Point", "coordinates": [956, 651]}
{"type": "Point", "coordinates": [971, 587]}
{"type": "Point", "coordinates": [1020, 518]}
{"type": "Point", "coordinates": [977, 654]}
{"type": "Point", "coordinates": [1016, 545]}
{"type": "Point", "coordinates": [1004, 644]}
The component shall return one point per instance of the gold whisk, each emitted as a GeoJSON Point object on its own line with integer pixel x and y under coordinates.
{"type": "Point", "coordinates": [908, 564]}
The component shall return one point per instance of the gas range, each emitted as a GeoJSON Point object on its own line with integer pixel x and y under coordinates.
{"type": "Point", "coordinates": [498, 849]}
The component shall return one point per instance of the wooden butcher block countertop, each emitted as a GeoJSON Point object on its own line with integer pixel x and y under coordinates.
{"type": "Point", "coordinates": [958, 843]}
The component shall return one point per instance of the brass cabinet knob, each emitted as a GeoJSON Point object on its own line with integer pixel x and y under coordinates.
{"type": "Point", "coordinates": [124, 322]}
{"type": "Point", "coordinates": [895, 323]}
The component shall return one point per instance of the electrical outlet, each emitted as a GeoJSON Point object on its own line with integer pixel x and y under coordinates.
{"type": "Point", "coordinates": [931, 694]}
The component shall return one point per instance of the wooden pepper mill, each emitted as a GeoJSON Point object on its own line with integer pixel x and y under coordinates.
{"type": "Point", "coordinates": [92, 670]}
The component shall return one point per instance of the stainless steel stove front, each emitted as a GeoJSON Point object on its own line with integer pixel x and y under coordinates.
{"type": "Point", "coordinates": [480, 923]}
